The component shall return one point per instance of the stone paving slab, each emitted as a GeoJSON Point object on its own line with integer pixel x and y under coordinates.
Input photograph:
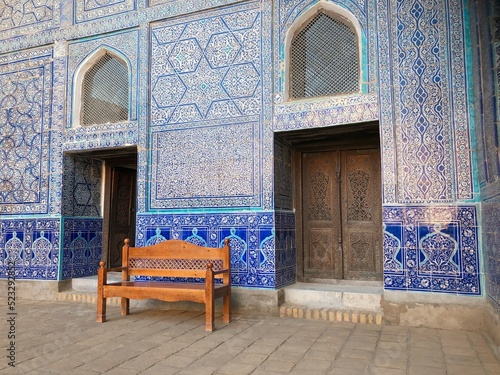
{"type": "Point", "coordinates": [53, 337]}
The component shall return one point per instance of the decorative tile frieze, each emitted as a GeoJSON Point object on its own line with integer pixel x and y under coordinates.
{"type": "Point", "coordinates": [30, 247]}
{"type": "Point", "coordinates": [20, 17]}
{"type": "Point", "coordinates": [433, 249]}
{"type": "Point", "coordinates": [349, 109]}
{"type": "Point", "coordinates": [86, 10]}
{"type": "Point", "coordinates": [250, 236]}
{"type": "Point", "coordinates": [25, 124]}
{"type": "Point", "coordinates": [82, 247]}
{"type": "Point", "coordinates": [206, 167]}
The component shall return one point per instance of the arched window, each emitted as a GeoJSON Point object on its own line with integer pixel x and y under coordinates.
{"type": "Point", "coordinates": [324, 58]}
{"type": "Point", "coordinates": [105, 91]}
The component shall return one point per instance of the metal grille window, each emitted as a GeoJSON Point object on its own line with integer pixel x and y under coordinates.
{"type": "Point", "coordinates": [324, 59]}
{"type": "Point", "coordinates": [105, 92]}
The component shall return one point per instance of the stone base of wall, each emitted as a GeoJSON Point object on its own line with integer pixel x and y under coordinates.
{"type": "Point", "coordinates": [43, 290]}
{"type": "Point", "coordinates": [434, 310]}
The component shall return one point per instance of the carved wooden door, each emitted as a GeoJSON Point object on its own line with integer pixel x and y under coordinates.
{"type": "Point", "coordinates": [341, 214]}
{"type": "Point", "coordinates": [361, 215]}
{"type": "Point", "coordinates": [122, 212]}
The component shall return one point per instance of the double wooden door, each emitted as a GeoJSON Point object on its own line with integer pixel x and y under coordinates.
{"type": "Point", "coordinates": [340, 203]}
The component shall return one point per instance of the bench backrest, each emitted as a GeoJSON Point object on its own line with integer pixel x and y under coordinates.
{"type": "Point", "coordinates": [175, 258]}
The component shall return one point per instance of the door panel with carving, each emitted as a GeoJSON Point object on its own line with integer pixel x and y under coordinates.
{"type": "Point", "coordinates": [321, 217]}
{"type": "Point", "coordinates": [361, 219]}
{"type": "Point", "coordinates": [341, 214]}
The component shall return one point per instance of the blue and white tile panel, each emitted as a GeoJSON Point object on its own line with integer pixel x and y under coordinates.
{"type": "Point", "coordinates": [432, 249]}
{"type": "Point", "coordinates": [250, 237]}
{"type": "Point", "coordinates": [30, 247]}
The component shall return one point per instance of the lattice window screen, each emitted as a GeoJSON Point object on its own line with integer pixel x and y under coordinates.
{"type": "Point", "coordinates": [324, 59]}
{"type": "Point", "coordinates": [105, 92]}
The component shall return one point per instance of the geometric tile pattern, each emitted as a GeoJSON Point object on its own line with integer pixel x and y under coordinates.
{"type": "Point", "coordinates": [206, 67]}
{"type": "Point", "coordinates": [24, 126]}
{"type": "Point", "coordinates": [22, 16]}
{"type": "Point", "coordinates": [82, 187]}
{"type": "Point", "coordinates": [32, 245]}
{"type": "Point", "coordinates": [86, 10]}
{"type": "Point", "coordinates": [206, 102]}
{"type": "Point", "coordinates": [250, 236]}
{"type": "Point", "coordinates": [82, 247]}
{"type": "Point", "coordinates": [433, 249]}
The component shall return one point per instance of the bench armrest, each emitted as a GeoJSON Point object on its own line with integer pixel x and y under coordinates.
{"type": "Point", "coordinates": [218, 272]}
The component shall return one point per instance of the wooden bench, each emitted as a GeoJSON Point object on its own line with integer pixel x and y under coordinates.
{"type": "Point", "coordinates": [171, 258]}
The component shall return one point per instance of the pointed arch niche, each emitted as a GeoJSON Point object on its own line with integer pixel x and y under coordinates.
{"type": "Point", "coordinates": [323, 54]}
{"type": "Point", "coordinates": [101, 90]}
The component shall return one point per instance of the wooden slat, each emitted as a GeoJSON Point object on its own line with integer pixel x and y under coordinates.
{"type": "Point", "coordinates": [166, 272]}
{"type": "Point", "coordinates": [176, 249]}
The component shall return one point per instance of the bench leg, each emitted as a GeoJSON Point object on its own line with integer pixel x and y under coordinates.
{"type": "Point", "coordinates": [101, 308]}
{"type": "Point", "coordinates": [209, 315]}
{"type": "Point", "coordinates": [227, 308]}
{"type": "Point", "coordinates": [125, 306]}
{"type": "Point", "coordinates": [101, 301]}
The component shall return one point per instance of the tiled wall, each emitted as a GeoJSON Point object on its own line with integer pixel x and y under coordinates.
{"type": "Point", "coordinates": [250, 237]}
{"type": "Point", "coordinates": [485, 32]}
{"type": "Point", "coordinates": [204, 110]}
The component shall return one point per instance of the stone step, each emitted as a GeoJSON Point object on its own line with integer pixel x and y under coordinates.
{"type": "Point", "coordinates": [331, 314]}
{"type": "Point", "coordinates": [335, 296]}
{"type": "Point", "coordinates": [89, 283]}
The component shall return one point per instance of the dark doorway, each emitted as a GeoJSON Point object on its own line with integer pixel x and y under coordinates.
{"type": "Point", "coordinates": [337, 198]}
{"type": "Point", "coordinates": [122, 211]}
{"type": "Point", "coordinates": [119, 203]}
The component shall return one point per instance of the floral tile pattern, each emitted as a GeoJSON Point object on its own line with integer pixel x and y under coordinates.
{"type": "Point", "coordinates": [432, 249]}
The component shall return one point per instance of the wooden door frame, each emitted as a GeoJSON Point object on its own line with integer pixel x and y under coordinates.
{"type": "Point", "coordinates": [340, 142]}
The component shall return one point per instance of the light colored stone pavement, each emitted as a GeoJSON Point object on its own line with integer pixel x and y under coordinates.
{"type": "Point", "coordinates": [63, 338]}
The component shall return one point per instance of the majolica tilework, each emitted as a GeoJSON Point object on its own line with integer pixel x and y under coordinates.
{"type": "Point", "coordinates": [283, 197]}
{"type": "Point", "coordinates": [430, 122]}
{"type": "Point", "coordinates": [101, 136]}
{"type": "Point", "coordinates": [32, 245]}
{"type": "Point", "coordinates": [25, 123]}
{"type": "Point", "coordinates": [207, 66]}
{"type": "Point", "coordinates": [86, 10]}
{"type": "Point", "coordinates": [81, 187]}
{"type": "Point", "coordinates": [206, 99]}
{"type": "Point", "coordinates": [250, 236]}
{"type": "Point", "coordinates": [349, 109]}
{"type": "Point", "coordinates": [27, 16]}
{"type": "Point", "coordinates": [124, 44]}
{"type": "Point", "coordinates": [220, 169]}
{"type": "Point", "coordinates": [491, 243]}
{"type": "Point", "coordinates": [285, 253]}
{"type": "Point", "coordinates": [82, 247]}
{"type": "Point", "coordinates": [433, 249]}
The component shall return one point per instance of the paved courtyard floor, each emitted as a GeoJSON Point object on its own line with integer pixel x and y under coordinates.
{"type": "Point", "coordinates": [63, 338]}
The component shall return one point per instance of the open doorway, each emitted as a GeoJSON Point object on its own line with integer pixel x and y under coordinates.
{"type": "Point", "coordinates": [118, 202]}
{"type": "Point", "coordinates": [336, 188]}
